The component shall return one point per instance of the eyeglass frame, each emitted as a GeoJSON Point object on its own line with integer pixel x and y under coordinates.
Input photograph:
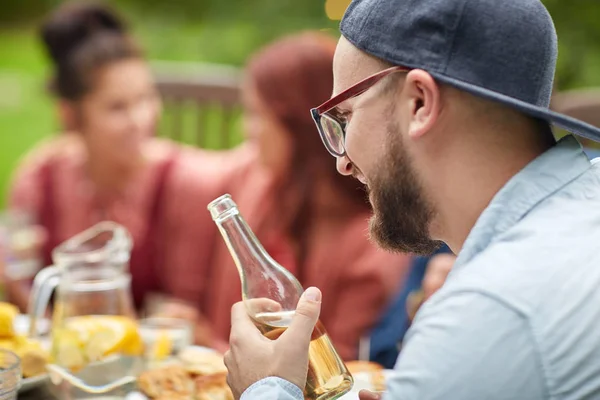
{"type": "Point", "coordinates": [353, 91]}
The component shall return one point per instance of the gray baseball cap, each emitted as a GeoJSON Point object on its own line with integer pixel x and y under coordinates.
{"type": "Point", "coordinates": [502, 50]}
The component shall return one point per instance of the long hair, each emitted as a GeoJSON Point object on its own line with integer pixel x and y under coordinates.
{"type": "Point", "coordinates": [293, 75]}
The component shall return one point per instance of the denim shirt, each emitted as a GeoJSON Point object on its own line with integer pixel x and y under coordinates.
{"type": "Point", "coordinates": [519, 315]}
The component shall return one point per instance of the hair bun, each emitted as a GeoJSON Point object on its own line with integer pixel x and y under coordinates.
{"type": "Point", "coordinates": [75, 22]}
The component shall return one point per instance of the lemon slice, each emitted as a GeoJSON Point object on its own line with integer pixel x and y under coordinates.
{"type": "Point", "coordinates": [68, 350]}
{"type": "Point", "coordinates": [92, 338]}
{"type": "Point", "coordinates": [131, 343]}
{"type": "Point", "coordinates": [84, 327]}
{"type": "Point", "coordinates": [134, 346]}
{"type": "Point", "coordinates": [103, 342]}
{"type": "Point", "coordinates": [161, 348]}
{"type": "Point", "coordinates": [8, 313]}
{"type": "Point", "coordinates": [70, 356]}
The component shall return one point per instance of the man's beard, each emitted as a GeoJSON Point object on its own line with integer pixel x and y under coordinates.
{"type": "Point", "coordinates": [402, 214]}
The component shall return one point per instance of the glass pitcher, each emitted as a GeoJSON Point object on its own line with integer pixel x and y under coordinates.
{"type": "Point", "coordinates": [96, 346]}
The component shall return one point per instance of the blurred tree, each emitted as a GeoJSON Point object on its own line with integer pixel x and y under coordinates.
{"type": "Point", "coordinates": [262, 20]}
{"type": "Point", "coordinates": [16, 12]}
{"type": "Point", "coordinates": [579, 41]}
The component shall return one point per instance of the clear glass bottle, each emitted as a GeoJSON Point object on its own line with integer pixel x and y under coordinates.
{"type": "Point", "coordinates": [271, 293]}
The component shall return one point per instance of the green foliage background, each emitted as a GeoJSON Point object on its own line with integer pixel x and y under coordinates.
{"type": "Point", "coordinates": [216, 31]}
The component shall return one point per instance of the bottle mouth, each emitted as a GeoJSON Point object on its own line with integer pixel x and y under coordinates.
{"type": "Point", "coordinates": [222, 207]}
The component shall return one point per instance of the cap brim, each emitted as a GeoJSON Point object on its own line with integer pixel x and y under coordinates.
{"type": "Point", "coordinates": [570, 124]}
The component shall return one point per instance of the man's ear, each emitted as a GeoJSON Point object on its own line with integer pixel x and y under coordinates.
{"type": "Point", "coordinates": [424, 101]}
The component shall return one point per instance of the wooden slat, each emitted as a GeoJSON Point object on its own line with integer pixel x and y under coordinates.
{"type": "Point", "coordinates": [176, 112]}
{"type": "Point", "coordinates": [200, 126]}
{"type": "Point", "coordinates": [204, 92]}
{"type": "Point", "coordinates": [580, 104]}
{"type": "Point", "coordinates": [227, 95]}
{"type": "Point", "coordinates": [226, 123]}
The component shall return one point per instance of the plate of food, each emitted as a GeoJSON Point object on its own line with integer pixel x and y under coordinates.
{"type": "Point", "coordinates": [33, 353]}
{"type": "Point", "coordinates": [367, 376]}
{"type": "Point", "coordinates": [196, 373]}
{"type": "Point", "coordinates": [199, 373]}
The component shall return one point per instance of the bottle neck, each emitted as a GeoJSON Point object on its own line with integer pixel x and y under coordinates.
{"type": "Point", "coordinates": [260, 275]}
{"type": "Point", "coordinates": [247, 252]}
{"type": "Point", "coordinates": [239, 236]}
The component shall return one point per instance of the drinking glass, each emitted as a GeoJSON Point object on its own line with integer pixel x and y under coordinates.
{"type": "Point", "coordinates": [19, 241]}
{"type": "Point", "coordinates": [10, 375]}
{"type": "Point", "coordinates": [164, 337]}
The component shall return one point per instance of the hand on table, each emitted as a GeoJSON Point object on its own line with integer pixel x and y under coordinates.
{"type": "Point", "coordinates": [367, 395]}
{"type": "Point", "coordinates": [178, 309]}
{"type": "Point", "coordinates": [437, 271]}
{"type": "Point", "coordinates": [253, 357]}
{"type": "Point", "coordinates": [203, 333]}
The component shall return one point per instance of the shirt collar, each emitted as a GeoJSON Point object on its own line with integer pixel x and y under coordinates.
{"type": "Point", "coordinates": [541, 178]}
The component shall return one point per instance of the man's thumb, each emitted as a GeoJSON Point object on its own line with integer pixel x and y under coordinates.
{"type": "Point", "coordinates": [306, 316]}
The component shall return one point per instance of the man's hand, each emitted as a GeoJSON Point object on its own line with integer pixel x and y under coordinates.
{"type": "Point", "coordinates": [253, 357]}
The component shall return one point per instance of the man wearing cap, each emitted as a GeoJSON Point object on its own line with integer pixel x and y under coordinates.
{"type": "Point", "coordinates": [441, 108]}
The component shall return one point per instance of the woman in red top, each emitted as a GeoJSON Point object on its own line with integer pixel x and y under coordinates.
{"type": "Point", "coordinates": [108, 166]}
{"type": "Point", "coordinates": [309, 218]}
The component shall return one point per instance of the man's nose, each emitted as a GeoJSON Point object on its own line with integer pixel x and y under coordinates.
{"type": "Point", "coordinates": [344, 166]}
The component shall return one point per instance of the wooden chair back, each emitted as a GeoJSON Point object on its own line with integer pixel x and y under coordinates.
{"type": "Point", "coordinates": [201, 105]}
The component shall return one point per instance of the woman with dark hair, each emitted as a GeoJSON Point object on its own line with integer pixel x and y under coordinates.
{"type": "Point", "coordinates": [309, 218]}
{"type": "Point", "coordinates": [107, 165]}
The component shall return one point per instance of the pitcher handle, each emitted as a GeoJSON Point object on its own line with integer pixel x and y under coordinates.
{"type": "Point", "coordinates": [44, 284]}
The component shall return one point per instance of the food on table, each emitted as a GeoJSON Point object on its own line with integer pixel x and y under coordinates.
{"type": "Point", "coordinates": [166, 381]}
{"type": "Point", "coordinates": [363, 366]}
{"type": "Point", "coordinates": [161, 348]}
{"type": "Point", "coordinates": [198, 375]}
{"type": "Point", "coordinates": [8, 312]}
{"type": "Point", "coordinates": [33, 357]}
{"type": "Point", "coordinates": [213, 387]}
{"type": "Point", "coordinates": [32, 354]}
{"type": "Point", "coordinates": [372, 371]}
{"type": "Point", "coordinates": [173, 396]}
{"type": "Point", "coordinates": [87, 339]}
{"type": "Point", "coordinates": [33, 363]}
{"type": "Point", "coordinates": [200, 362]}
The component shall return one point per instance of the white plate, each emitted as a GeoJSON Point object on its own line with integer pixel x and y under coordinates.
{"type": "Point", "coordinates": [362, 380]}
{"type": "Point", "coordinates": [33, 382]}
{"type": "Point", "coordinates": [191, 349]}
{"type": "Point", "coordinates": [21, 325]}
